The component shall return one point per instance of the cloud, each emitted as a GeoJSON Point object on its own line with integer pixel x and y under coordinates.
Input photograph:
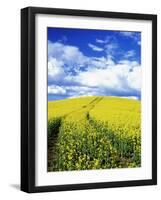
{"type": "Point", "coordinates": [71, 73]}
{"type": "Point", "coordinates": [130, 97]}
{"type": "Point", "coordinates": [54, 89]}
{"type": "Point", "coordinates": [95, 48]}
{"type": "Point", "coordinates": [107, 39]}
{"type": "Point", "coordinates": [139, 43]}
{"type": "Point", "coordinates": [134, 78]}
{"type": "Point", "coordinates": [64, 39]}
{"type": "Point", "coordinates": [100, 62]}
{"type": "Point", "coordinates": [129, 54]}
{"type": "Point", "coordinates": [109, 44]}
{"type": "Point", "coordinates": [67, 59]}
{"type": "Point", "coordinates": [69, 55]}
{"type": "Point", "coordinates": [111, 48]}
{"type": "Point", "coordinates": [128, 63]}
{"type": "Point", "coordinates": [82, 96]}
{"type": "Point", "coordinates": [55, 69]}
{"type": "Point", "coordinates": [127, 33]}
{"type": "Point", "coordinates": [100, 41]}
{"type": "Point", "coordinates": [136, 36]}
{"type": "Point", "coordinates": [64, 52]}
{"type": "Point", "coordinates": [120, 78]}
{"type": "Point", "coordinates": [81, 90]}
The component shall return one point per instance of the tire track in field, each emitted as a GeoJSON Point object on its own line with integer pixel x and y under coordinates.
{"type": "Point", "coordinates": [82, 107]}
{"type": "Point", "coordinates": [52, 152]}
{"type": "Point", "coordinates": [85, 108]}
{"type": "Point", "coordinates": [93, 103]}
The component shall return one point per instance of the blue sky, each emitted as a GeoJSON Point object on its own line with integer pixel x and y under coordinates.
{"type": "Point", "coordinates": [85, 62]}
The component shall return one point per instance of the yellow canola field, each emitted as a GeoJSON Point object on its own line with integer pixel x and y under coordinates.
{"type": "Point", "coordinates": [95, 133]}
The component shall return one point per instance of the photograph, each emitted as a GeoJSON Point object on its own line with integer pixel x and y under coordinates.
{"type": "Point", "coordinates": [88, 99]}
{"type": "Point", "coordinates": [94, 99]}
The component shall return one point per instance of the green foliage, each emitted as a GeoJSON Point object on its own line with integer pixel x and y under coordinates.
{"type": "Point", "coordinates": [53, 126]}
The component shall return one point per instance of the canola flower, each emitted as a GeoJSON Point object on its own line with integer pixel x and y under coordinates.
{"type": "Point", "coordinates": [96, 133]}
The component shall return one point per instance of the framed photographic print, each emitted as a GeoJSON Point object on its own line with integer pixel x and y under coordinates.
{"type": "Point", "coordinates": [88, 99]}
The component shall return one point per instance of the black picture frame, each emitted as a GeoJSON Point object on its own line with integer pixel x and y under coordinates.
{"type": "Point", "coordinates": [28, 99]}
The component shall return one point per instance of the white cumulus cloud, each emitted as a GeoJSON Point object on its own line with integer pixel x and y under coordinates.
{"type": "Point", "coordinates": [119, 77]}
{"type": "Point", "coordinates": [54, 89]}
{"type": "Point", "coordinates": [55, 68]}
{"type": "Point", "coordinates": [71, 56]}
{"type": "Point", "coordinates": [71, 73]}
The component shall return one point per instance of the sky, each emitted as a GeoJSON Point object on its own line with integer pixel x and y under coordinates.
{"type": "Point", "coordinates": [86, 62]}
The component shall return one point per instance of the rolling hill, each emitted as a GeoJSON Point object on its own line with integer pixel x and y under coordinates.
{"type": "Point", "coordinates": [94, 133]}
